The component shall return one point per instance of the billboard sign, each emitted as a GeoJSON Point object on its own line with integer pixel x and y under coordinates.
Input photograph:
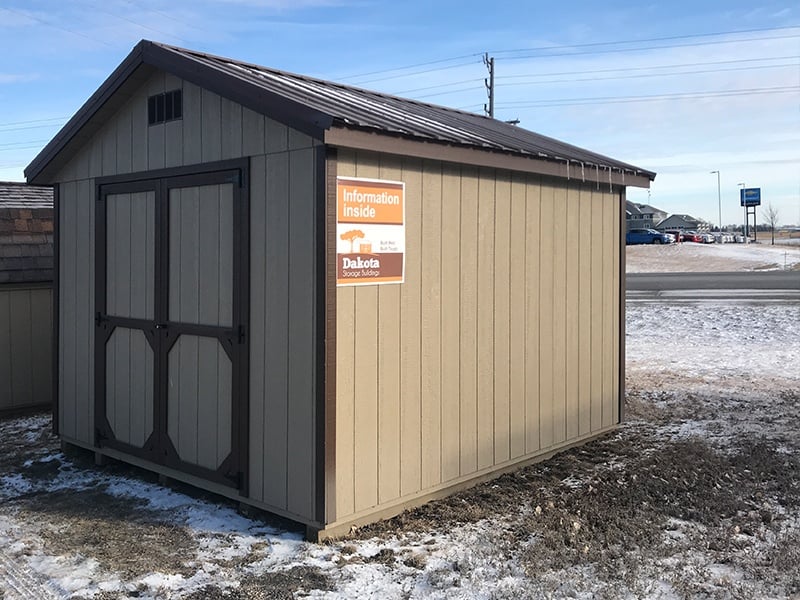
{"type": "Point", "coordinates": [750, 196]}
{"type": "Point", "coordinates": [370, 231]}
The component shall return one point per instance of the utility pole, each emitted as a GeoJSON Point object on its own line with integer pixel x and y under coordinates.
{"type": "Point", "coordinates": [489, 83]}
{"type": "Point", "coordinates": [746, 216]}
{"type": "Point", "coordinates": [719, 199]}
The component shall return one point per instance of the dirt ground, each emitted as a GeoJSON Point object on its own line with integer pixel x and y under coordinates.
{"type": "Point", "coordinates": [642, 506]}
{"type": "Point", "coordinates": [696, 495]}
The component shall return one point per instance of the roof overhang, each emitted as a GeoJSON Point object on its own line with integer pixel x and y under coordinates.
{"type": "Point", "coordinates": [138, 66]}
{"type": "Point", "coordinates": [359, 139]}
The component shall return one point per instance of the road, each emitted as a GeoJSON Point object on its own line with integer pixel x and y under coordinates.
{"type": "Point", "coordinates": [744, 285]}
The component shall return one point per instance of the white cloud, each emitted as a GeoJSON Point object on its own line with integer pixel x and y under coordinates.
{"type": "Point", "coordinates": [17, 77]}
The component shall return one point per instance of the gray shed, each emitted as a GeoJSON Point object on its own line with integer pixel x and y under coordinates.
{"type": "Point", "coordinates": [324, 301]}
{"type": "Point", "coordinates": [26, 278]}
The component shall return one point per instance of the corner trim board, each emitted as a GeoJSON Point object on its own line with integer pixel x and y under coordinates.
{"type": "Point", "coordinates": [55, 298]}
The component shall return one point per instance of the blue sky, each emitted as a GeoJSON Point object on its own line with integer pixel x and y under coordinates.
{"type": "Point", "coordinates": [598, 75]}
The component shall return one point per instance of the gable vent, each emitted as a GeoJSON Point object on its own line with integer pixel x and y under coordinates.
{"type": "Point", "coordinates": [164, 107]}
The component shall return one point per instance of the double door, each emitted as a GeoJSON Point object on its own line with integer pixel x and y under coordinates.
{"type": "Point", "coordinates": [171, 321]}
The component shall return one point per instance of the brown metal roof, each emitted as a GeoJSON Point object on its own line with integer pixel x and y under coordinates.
{"type": "Point", "coordinates": [314, 106]}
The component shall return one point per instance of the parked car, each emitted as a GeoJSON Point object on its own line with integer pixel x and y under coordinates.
{"type": "Point", "coordinates": [692, 236]}
{"type": "Point", "coordinates": [676, 233]}
{"type": "Point", "coordinates": [647, 236]}
{"type": "Point", "coordinates": [708, 238]}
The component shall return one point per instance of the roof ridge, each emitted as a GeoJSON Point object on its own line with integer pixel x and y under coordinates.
{"type": "Point", "coordinates": [320, 80]}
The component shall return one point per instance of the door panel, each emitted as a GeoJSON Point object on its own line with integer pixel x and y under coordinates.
{"type": "Point", "coordinates": [130, 267]}
{"type": "Point", "coordinates": [201, 255]}
{"type": "Point", "coordinates": [199, 402]}
{"type": "Point", "coordinates": [129, 386]}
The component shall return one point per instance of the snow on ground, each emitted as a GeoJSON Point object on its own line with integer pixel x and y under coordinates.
{"type": "Point", "coordinates": [689, 256]}
{"type": "Point", "coordinates": [695, 496]}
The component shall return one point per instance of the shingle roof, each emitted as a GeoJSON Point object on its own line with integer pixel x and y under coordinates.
{"type": "Point", "coordinates": [26, 233]}
{"type": "Point", "coordinates": [648, 209]}
{"type": "Point", "coordinates": [314, 106]}
{"type": "Point", "coordinates": [18, 194]}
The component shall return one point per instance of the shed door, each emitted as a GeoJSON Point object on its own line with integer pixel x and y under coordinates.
{"type": "Point", "coordinates": [171, 357]}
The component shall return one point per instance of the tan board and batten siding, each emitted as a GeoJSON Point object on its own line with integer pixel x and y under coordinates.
{"type": "Point", "coordinates": [502, 344]}
{"type": "Point", "coordinates": [282, 229]}
{"type": "Point", "coordinates": [26, 326]}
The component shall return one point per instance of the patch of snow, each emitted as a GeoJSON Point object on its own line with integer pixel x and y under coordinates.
{"type": "Point", "coordinates": [709, 257]}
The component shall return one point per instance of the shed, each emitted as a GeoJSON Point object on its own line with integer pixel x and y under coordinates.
{"type": "Point", "coordinates": [26, 279]}
{"type": "Point", "coordinates": [323, 301]}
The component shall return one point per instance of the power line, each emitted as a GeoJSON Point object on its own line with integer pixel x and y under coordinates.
{"type": "Point", "coordinates": [620, 50]}
{"type": "Point", "coordinates": [625, 99]}
{"type": "Point", "coordinates": [170, 17]}
{"type": "Point", "coordinates": [68, 30]}
{"type": "Point", "coordinates": [462, 64]}
{"type": "Point", "coordinates": [645, 75]}
{"type": "Point", "coordinates": [147, 27]}
{"type": "Point", "coordinates": [626, 69]}
{"type": "Point", "coordinates": [445, 93]}
{"type": "Point", "coordinates": [34, 121]}
{"type": "Point", "coordinates": [504, 84]}
{"type": "Point", "coordinates": [422, 64]}
{"type": "Point", "coordinates": [658, 39]}
{"type": "Point", "coordinates": [20, 148]}
{"type": "Point", "coordinates": [588, 45]}
{"type": "Point", "coordinates": [433, 87]}
{"type": "Point", "coordinates": [29, 127]}
{"type": "Point", "coordinates": [13, 145]}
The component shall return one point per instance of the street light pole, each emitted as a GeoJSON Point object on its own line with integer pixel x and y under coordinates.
{"type": "Point", "coordinates": [719, 199]}
{"type": "Point", "coordinates": [746, 219]}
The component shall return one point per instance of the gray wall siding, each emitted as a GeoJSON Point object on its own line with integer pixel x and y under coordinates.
{"type": "Point", "coordinates": [26, 326]}
{"type": "Point", "coordinates": [282, 437]}
{"type": "Point", "coordinates": [282, 195]}
{"type": "Point", "coordinates": [76, 310]}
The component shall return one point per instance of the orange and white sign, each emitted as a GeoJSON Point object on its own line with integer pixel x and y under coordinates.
{"type": "Point", "coordinates": [370, 231]}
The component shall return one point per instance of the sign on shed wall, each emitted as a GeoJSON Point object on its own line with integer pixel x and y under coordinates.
{"type": "Point", "coordinates": [370, 231]}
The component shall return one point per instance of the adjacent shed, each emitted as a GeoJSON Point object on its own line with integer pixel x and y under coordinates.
{"type": "Point", "coordinates": [211, 218]}
{"type": "Point", "coordinates": [26, 278]}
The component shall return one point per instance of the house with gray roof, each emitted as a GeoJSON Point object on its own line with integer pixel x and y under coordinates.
{"type": "Point", "coordinates": [642, 216]}
{"type": "Point", "coordinates": [682, 223]}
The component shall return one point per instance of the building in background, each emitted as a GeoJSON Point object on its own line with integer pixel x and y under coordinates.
{"type": "Point", "coordinates": [26, 277]}
{"type": "Point", "coordinates": [642, 216]}
{"type": "Point", "coordinates": [683, 223]}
